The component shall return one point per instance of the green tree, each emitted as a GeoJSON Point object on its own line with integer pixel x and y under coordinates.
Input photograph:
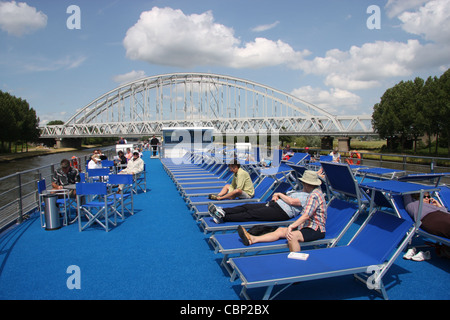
{"type": "Point", "coordinates": [444, 101]}
{"type": "Point", "coordinates": [18, 122]}
{"type": "Point", "coordinates": [55, 122]}
{"type": "Point", "coordinates": [396, 114]}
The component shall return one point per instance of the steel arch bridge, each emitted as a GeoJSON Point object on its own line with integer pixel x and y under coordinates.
{"type": "Point", "coordinates": [230, 105]}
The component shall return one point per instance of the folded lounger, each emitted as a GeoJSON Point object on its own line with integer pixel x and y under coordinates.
{"type": "Point", "coordinates": [267, 179]}
{"type": "Point", "coordinates": [205, 189]}
{"type": "Point", "coordinates": [261, 190]}
{"type": "Point", "coordinates": [205, 170]}
{"type": "Point", "coordinates": [424, 176]}
{"type": "Point", "coordinates": [340, 215]}
{"type": "Point", "coordinates": [220, 178]}
{"type": "Point", "coordinates": [380, 173]}
{"type": "Point", "coordinates": [375, 247]}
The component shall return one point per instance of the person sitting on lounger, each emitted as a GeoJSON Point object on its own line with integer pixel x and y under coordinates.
{"type": "Point", "coordinates": [241, 186]}
{"type": "Point", "coordinates": [310, 226]}
{"type": "Point", "coordinates": [281, 207]}
{"type": "Point", "coordinates": [434, 217]}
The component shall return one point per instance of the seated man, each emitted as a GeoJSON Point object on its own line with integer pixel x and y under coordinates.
{"type": "Point", "coordinates": [64, 176]}
{"type": "Point", "coordinates": [134, 166]}
{"type": "Point", "coordinates": [308, 227]}
{"type": "Point", "coordinates": [241, 186]}
{"type": "Point", "coordinates": [336, 155]}
{"type": "Point", "coordinates": [281, 207]}
{"type": "Point", "coordinates": [95, 162]}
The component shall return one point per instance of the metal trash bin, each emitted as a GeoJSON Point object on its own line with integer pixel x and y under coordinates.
{"type": "Point", "coordinates": [51, 212]}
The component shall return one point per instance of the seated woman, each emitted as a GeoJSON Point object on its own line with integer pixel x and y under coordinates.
{"type": "Point", "coordinates": [434, 217]}
{"type": "Point", "coordinates": [308, 227]}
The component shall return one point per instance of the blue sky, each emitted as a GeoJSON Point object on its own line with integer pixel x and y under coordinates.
{"type": "Point", "coordinates": [321, 51]}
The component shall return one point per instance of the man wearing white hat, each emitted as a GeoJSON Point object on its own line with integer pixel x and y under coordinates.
{"type": "Point", "coordinates": [308, 227]}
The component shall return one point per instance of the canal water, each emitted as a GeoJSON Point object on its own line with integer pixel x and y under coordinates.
{"type": "Point", "coordinates": [19, 165]}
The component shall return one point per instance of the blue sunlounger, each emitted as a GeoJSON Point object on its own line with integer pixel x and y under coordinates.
{"type": "Point", "coordinates": [340, 215]}
{"type": "Point", "coordinates": [375, 247]}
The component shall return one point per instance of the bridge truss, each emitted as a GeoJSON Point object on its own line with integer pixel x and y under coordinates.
{"type": "Point", "coordinates": [230, 105]}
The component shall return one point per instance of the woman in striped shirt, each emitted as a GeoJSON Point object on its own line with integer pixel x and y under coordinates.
{"type": "Point", "coordinates": [308, 227]}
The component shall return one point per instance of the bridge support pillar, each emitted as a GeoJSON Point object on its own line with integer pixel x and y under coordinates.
{"type": "Point", "coordinates": [327, 143]}
{"type": "Point", "coordinates": [344, 144]}
{"type": "Point", "coordinates": [68, 143]}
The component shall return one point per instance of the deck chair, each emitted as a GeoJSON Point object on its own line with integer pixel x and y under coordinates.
{"type": "Point", "coordinates": [125, 198]}
{"type": "Point", "coordinates": [375, 247]}
{"type": "Point", "coordinates": [340, 215]}
{"type": "Point", "coordinates": [299, 158]}
{"type": "Point", "coordinates": [444, 196]}
{"type": "Point", "coordinates": [100, 174]}
{"type": "Point", "coordinates": [97, 207]}
{"type": "Point", "coordinates": [140, 181]}
{"type": "Point", "coordinates": [342, 182]}
{"type": "Point", "coordinates": [109, 164]}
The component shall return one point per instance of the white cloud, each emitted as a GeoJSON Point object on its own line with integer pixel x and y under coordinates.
{"type": "Point", "coordinates": [431, 21]}
{"type": "Point", "coordinates": [169, 37]}
{"type": "Point", "coordinates": [46, 64]}
{"type": "Point", "coordinates": [19, 18]}
{"type": "Point", "coordinates": [265, 27]}
{"type": "Point", "coordinates": [366, 66]}
{"type": "Point", "coordinates": [396, 7]}
{"type": "Point", "coordinates": [130, 76]}
{"type": "Point", "coordinates": [363, 67]}
{"type": "Point", "coordinates": [335, 101]}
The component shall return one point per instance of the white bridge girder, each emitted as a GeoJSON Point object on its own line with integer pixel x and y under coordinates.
{"type": "Point", "coordinates": [230, 105]}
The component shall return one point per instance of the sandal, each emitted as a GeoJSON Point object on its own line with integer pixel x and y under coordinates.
{"type": "Point", "coordinates": [212, 197]}
{"type": "Point", "coordinates": [244, 235]}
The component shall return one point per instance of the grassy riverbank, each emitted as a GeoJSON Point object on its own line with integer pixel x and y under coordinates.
{"type": "Point", "coordinates": [38, 151]}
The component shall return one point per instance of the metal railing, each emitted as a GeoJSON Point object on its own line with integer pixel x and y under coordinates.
{"type": "Point", "coordinates": [19, 195]}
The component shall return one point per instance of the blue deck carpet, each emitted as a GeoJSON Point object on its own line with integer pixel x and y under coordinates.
{"type": "Point", "coordinates": [161, 253]}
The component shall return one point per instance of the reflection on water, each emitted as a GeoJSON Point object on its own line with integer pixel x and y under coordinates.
{"type": "Point", "coordinates": [8, 168]}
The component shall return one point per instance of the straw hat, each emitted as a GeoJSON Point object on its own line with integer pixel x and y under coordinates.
{"type": "Point", "coordinates": [310, 177]}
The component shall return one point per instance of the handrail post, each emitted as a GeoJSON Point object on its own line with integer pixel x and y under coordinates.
{"type": "Point", "coordinates": [20, 218]}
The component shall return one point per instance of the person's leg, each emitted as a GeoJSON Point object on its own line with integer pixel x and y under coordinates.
{"type": "Point", "coordinates": [303, 235]}
{"type": "Point", "coordinates": [294, 243]}
{"type": "Point", "coordinates": [437, 223]}
{"type": "Point", "coordinates": [242, 208]}
{"type": "Point", "coordinates": [249, 239]}
{"type": "Point", "coordinates": [224, 190]}
{"type": "Point", "coordinates": [230, 195]}
{"type": "Point", "coordinates": [255, 212]}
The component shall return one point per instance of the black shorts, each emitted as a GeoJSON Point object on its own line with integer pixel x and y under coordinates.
{"type": "Point", "coordinates": [311, 234]}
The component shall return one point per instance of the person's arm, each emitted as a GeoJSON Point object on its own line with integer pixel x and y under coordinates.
{"type": "Point", "coordinates": [308, 211]}
{"type": "Point", "coordinates": [289, 200]}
